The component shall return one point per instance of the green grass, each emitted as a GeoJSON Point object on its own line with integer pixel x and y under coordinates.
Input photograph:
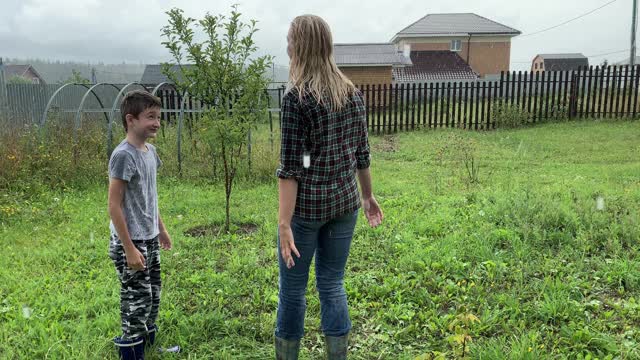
{"type": "Point", "coordinates": [525, 251]}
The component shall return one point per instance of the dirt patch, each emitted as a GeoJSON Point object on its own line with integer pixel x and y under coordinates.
{"type": "Point", "coordinates": [388, 143]}
{"type": "Point", "coordinates": [247, 228]}
{"type": "Point", "coordinates": [211, 230]}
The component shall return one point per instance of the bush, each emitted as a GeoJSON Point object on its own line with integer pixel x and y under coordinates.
{"type": "Point", "coordinates": [462, 152]}
{"type": "Point", "coordinates": [508, 116]}
{"type": "Point", "coordinates": [34, 159]}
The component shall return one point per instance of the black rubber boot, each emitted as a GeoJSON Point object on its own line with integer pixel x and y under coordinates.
{"type": "Point", "coordinates": [287, 349]}
{"type": "Point", "coordinates": [130, 349]}
{"type": "Point", "coordinates": [337, 347]}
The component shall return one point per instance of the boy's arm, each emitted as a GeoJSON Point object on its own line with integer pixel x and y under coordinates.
{"type": "Point", "coordinates": [117, 187]}
{"type": "Point", "coordinates": [165, 239]}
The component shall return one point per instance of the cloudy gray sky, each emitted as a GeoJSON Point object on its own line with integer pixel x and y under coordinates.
{"type": "Point", "coordinates": [117, 31]}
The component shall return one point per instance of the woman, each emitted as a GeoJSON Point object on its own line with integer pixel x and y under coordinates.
{"type": "Point", "coordinates": [324, 145]}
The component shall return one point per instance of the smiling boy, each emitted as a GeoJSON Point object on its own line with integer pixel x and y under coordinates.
{"type": "Point", "coordinates": [137, 231]}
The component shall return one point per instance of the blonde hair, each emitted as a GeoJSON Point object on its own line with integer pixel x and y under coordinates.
{"type": "Point", "coordinates": [313, 69]}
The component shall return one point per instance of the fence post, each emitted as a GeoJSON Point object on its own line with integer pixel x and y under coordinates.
{"type": "Point", "coordinates": [501, 84]}
{"type": "Point", "coordinates": [635, 95]}
{"type": "Point", "coordinates": [281, 91]}
{"type": "Point", "coordinates": [573, 98]}
{"type": "Point", "coordinates": [4, 101]}
{"type": "Point", "coordinates": [270, 118]}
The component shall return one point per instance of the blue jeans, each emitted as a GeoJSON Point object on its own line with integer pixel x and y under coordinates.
{"type": "Point", "coordinates": [330, 242]}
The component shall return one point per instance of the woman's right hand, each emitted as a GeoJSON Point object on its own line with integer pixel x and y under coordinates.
{"type": "Point", "coordinates": [372, 211]}
{"type": "Point", "coordinates": [287, 246]}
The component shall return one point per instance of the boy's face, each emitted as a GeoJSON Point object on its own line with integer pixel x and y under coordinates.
{"type": "Point", "coordinates": [147, 123]}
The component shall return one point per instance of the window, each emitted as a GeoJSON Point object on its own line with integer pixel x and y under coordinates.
{"type": "Point", "coordinates": [456, 45]}
{"type": "Point", "coordinates": [541, 65]}
{"type": "Point", "coordinates": [535, 66]}
{"type": "Point", "coordinates": [407, 50]}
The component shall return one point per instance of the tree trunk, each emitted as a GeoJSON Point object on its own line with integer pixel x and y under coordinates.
{"type": "Point", "coordinates": [227, 188]}
{"type": "Point", "coordinates": [226, 223]}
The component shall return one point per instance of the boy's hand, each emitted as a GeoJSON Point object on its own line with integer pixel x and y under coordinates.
{"type": "Point", "coordinates": [165, 240]}
{"type": "Point", "coordinates": [135, 260]}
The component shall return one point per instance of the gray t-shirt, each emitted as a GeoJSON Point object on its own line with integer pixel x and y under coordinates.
{"type": "Point", "coordinates": [138, 168]}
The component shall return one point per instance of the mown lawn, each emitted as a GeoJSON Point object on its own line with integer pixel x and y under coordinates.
{"type": "Point", "coordinates": [516, 261]}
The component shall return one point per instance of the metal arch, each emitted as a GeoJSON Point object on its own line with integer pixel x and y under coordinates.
{"type": "Point", "coordinates": [155, 89]}
{"type": "Point", "coordinates": [53, 96]}
{"type": "Point", "coordinates": [84, 98]}
{"type": "Point", "coordinates": [112, 115]}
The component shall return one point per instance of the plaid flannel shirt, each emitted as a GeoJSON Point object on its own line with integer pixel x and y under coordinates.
{"type": "Point", "coordinates": [337, 144]}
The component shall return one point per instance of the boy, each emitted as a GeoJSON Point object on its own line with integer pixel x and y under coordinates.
{"type": "Point", "coordinates": [137, 230]}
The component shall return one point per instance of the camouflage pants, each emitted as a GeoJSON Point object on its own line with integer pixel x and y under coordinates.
{"type": "Point", "coordinates": [140, 289]}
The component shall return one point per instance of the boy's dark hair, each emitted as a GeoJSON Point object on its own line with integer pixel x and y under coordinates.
{"type": "Point", "coordinates": [135, 102]}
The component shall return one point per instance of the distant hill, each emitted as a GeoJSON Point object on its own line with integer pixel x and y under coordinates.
{"type": "Point", "coordinates": [58, 71]}
{"type": "Point", "coordinates": [54, 71]}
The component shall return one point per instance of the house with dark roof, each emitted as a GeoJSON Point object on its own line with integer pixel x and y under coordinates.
{"type": "Point", "coordinates": [369, 63]}
{"type": "Point", "coordinates": [23, 71]}
{"type": "Point", "coordinates": [436, 65]}
{"type": "Point", "coordinates": [558, 62]}
{"type": "Point", "coordinates": [485, 45]}
{"type": "Point", "coordinates": [153, 75]}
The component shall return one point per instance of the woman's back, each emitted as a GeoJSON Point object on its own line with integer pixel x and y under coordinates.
{"type": "Point", "coordinates": [323, 146]}
{"type": "Point", "coordinates": [336, 143]}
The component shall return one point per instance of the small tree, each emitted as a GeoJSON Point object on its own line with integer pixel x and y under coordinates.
{"type": "Point", "coordinates": [221, 71]}
{"type": "Point", "coordinates": [76, 78]}
{"type": "Point", "coordinates": [17, 79]}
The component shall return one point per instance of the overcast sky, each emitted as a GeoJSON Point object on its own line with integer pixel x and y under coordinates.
{"type": "Point", "coordinates": [117, 31]}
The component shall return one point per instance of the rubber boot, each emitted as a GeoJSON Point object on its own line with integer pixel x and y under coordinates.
{"type": "Point", "coordinates": [287, 349]}
{"type": "Point", "coordinates": [130, 349]}
{"type": "Point", "coordinates": [337, 347]}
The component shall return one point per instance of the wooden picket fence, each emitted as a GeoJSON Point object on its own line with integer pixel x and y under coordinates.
{"type": "Point", "coordinates": [608, 92]}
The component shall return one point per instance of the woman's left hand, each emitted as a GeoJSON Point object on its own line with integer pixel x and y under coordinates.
{"type": "Point", "coordinates": [287, 246]}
